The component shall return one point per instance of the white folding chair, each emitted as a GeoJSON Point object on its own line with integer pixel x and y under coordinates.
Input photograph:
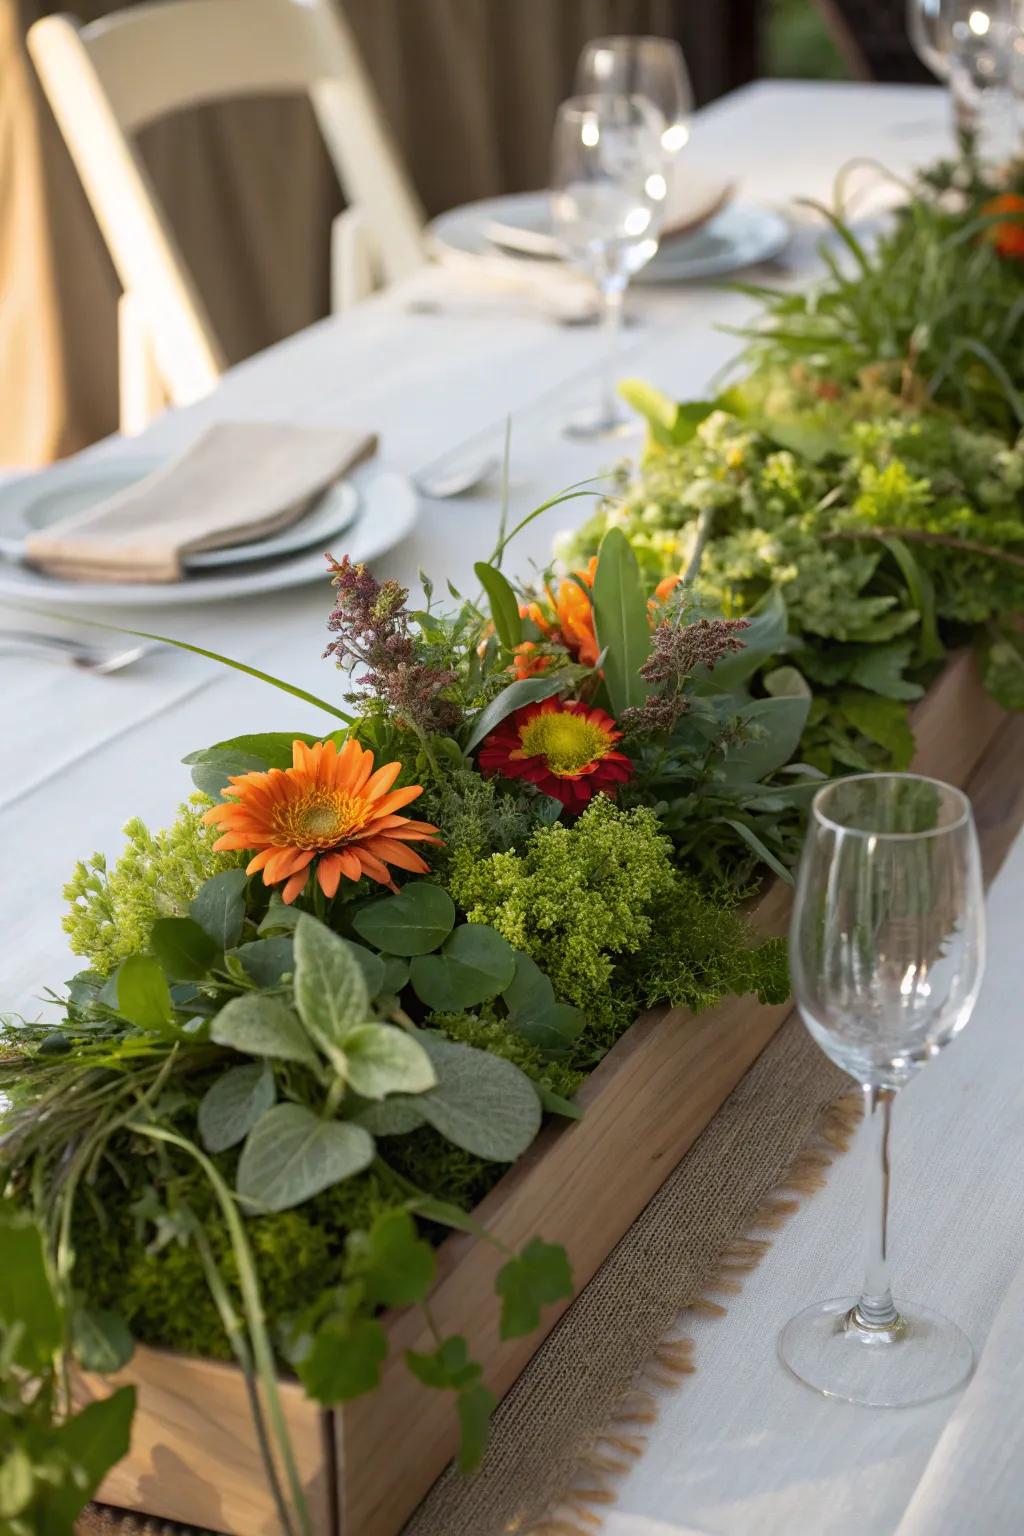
{"type": "Point", "coordinates": [107, 80]}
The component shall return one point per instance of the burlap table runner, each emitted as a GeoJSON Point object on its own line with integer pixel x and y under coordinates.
{"type": "Point", "coordinates": [575, 1416]}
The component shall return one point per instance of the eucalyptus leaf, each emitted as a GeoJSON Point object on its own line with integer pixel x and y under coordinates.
{"type": "Point", "coordinates": [143, 996]}
{"type": "Point", "coordinates": [374, 968]}
{"type": "Point", "coordinates": [290, 1155]}
{"type": "Point", "coordinates": [262, 1026]}
{"type": "Point", "coordinates": [529, 991]}
{"type": "Point", "coordinates": [474, 965]}
{"type": "Point", "coordinates": [330, 992]}
{"type": "Point", "coordinates": [382, 1059]}
{"type": "Point", "coordinates": [274, 748]}
{"type": "Point", "coordinates": [232, 1105]}
{"type": "Point", "coordinates": [184, 949]}
{"type": "Point", "coordinates": [414, 922]}
{"type": "Point", "coordinates": [267, 961]}
{"type": "Point", "coordinates": [279, 917]}
{"type": "Point", "coordinates": [214, 767]}
{"type": "Point", "coordinates": [396, 975]}
{"type": "Point", "coordinates": [219, 907]}
{"type": "Point", "coordinates": [620, 620]}
{"type": "Point", "coordinates": [552, 1029]}
{"type": "Point", "coordinates": [525, 690]}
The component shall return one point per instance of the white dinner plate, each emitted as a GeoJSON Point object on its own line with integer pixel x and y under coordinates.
{"type": "Point", "coordinates": [366, 518]}
{"type": "Point", "coordinates": [741, 235]}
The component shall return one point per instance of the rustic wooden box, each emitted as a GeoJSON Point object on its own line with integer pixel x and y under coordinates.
{"type": "Point", "coordinates": [194, 1456]}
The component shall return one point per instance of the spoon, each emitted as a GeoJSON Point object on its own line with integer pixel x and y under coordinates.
{"type": "Point", "coordinates": [74, 652]}
{"type": "Point", "coordinates": [455, 480]}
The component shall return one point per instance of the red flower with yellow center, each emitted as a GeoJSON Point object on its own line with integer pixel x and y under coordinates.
{"type": "Point", "coordinates": [567, 750]}
{"type": "Point", "coordinates": [330, 806]}
{"type": "Point", "coordinates": [1008, 235]}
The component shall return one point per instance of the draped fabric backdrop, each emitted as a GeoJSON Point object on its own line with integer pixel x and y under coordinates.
{"type": "Point", "coordinates": [469, 86]}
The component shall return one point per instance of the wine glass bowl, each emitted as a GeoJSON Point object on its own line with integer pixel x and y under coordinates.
{"type": "Point", "coordinates": [652, 67]}
{"type": "Point", "coordinates": [887, 952]}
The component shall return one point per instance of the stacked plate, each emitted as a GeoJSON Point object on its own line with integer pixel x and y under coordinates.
{"type": "Point", "coordinates": [373, 511]}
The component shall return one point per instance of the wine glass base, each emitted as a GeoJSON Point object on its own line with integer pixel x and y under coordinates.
{"type": "Point", "coordinates": [591, 426]}
{"type": "Point", "coordinates": [924, 1359]}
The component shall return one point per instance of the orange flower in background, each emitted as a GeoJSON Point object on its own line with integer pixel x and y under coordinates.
{"type": "Point", "coordinates": [663, 591]}
{"type": "Point", "coordinates": [330, 806]}
{"type": "Point", "coordinates": [566, 749]}
{"type": "Point", "coordinates": [570, 620]}
{"type": "Point", "coordinates": [1008, 235]}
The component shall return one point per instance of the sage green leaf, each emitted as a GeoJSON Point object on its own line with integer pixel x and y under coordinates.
{"type": "Point", "coordinates": [219, 907]}
{"type": "Point", "coordinates": [786, 683]}
{"type": "Point", "coordinates": [27, 1300]}
{"type": "Point", "coordinates": [290, 1155]}
{"type": "Point", "coordinates": [775, 727]}
{"type": "Point", "coordinates": [382, 1059]}
{"type": "Point", "coordinates": [330, 992]}
{"type": "Point", "coordinates": [620, 621]}
{"type": "Point", "coordinates": [232, 1105]}
{"type": "Point", "coordinates": [554, 1104]}
{"type": "Point", "coordinates": [214, 767]}
{"type": "Point", "coordinates": [262, 1026]}
{"type": "Point", "coordinates": [185, 950]}
{"type": "Point", "coordinates": [344, 1359]}
{"type": "Point", "coordinates": [392, 1262]}
{"type": "Point", "coordinates": [475, 1406]}
{"type": "Point", "coordinates": [414, 922]}
{"type": "Point", "coordinates": [474, 965]}
{"type": "Point", "coordinates": [102, 1341]}
{"type": "Point", "coordinates": [143, 996]}
{"type": "Point", "coordinates": [539, 1276]}
{"type": "Point", "coordinates": [267, 961]}
{"type": "Point", "coordinates": [504, 604]}
{"type": "Point", "coordinates": [17, 1483]}
{"type": "Point", "coordinates": [482, 1103]}
{"type": "Point", "coordinates": [390, 1117]}
{"type": "Point", "coordinates": [279, 918]}
{"type": "Point", "coordinates": [525, 690]}
{"type": "Point", "coordinates": [92, 1441]}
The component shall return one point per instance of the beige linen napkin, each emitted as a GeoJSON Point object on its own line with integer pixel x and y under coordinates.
{"type": "Point", "coordinates": [974, 1480]}
{"type": "Point", "coordinates": [238, 481]}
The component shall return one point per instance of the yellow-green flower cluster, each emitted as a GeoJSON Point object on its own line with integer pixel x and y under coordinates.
{"type": "Point", "coordinates": [112, 910]}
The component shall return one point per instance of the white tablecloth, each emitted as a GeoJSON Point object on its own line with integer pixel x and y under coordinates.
{"type": "Point", "coordinates": [741, 1450]}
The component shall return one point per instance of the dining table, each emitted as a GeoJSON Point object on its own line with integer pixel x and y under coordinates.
{"type": "Point", "coordinates": [445, 367]}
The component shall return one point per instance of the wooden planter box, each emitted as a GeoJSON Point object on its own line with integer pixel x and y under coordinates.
{"type": "Point", "coordinates": [367, 1465]}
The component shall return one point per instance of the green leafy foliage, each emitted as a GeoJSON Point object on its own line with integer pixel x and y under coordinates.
{"type": "Point", "coordinates": [473, 966]}
{"type": "Point", "coordinates": [414, 922]}
{"type": "Point", "coordinates": [233, 1104]}
{"type": "Point", "coordinates": [620, 621]}
{"type": "Point", "coordinates": [292, 1154]}
{"type": "Point", "coordinates": [539, 1276]}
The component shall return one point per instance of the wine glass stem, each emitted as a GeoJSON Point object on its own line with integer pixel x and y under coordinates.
{"type": "Point", "coordinates": [875, 1308]}
{"type": "Point", "coordinates": [612, 294]}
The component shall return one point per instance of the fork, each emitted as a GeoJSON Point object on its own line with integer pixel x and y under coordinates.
{"type": "Point", "coordinates": [74, 652]}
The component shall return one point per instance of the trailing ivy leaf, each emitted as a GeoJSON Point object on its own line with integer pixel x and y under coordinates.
{"type": "Point", "coordinates": [262, 1026]}
{"type": "Point", "coordinates": [474, 965]}
{"type": "Point", "coordinates": [290, 1155]}
{"type": "Point", "coordinates": [92, 1441]}
{"type": "Point", "coordinates": [525, 690]}
{"type": "Point", "coordinates": [395, 1266]}
{"type": "Point", "coordinates": [475, 1406]}
{"type": "Point", "coordinates": [414, 922]}
{"type": "Point", "coordinates": [448, 1369]}
{"type": "Point", "coordinates": [539, 1276]}
{"type": "Point", "coordinates": [381, 1058]}
{"type": "Point", "coordinates": [143, 996]}
{"type": "Point", "coordinates": [214, 767]}
{"type": "Point", "coordinates": [504, 604]}
{"type": "Point", "coordinates": [267, 961]}
{"type": "Point", "coordinates": [185, 950]}
{"type": "Point", "coordinates": [232, 1105]}
{"type": "Point", "coordinates": [620, 620]}
{"type": "Point", "coordinates": [219, 907]}
{"type": "Point", "coordinates": [330, 992]}
{"type": "Point", "coordinates": [344, 1359]}
{"type": "Point", "coordinates": [102, 1341]}
{"type": "Point", "coordinates": [482, 1103]}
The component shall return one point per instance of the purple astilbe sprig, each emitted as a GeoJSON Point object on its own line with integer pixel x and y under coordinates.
{"type": "Point", "coordinates": [677, 650]}
{"type": "Point", "coordinates": [372, 627]}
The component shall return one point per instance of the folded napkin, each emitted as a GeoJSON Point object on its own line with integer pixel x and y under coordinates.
{"type": "Point", "coordinates": [974, 1479]}
{"type": "Point", "coordinates": [694, 199]}
{"type": "Point", "coordinates": [238, 481]}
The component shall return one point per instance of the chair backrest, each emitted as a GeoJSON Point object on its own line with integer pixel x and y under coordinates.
{"type": "Point", "coordinates": [873, 38]}
{"type": "Point", "coordinates": [107, 80]}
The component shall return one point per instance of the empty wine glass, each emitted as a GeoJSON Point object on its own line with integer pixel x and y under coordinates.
{"type": "Point", "coordinates": [978, 47]}
{"type": "Point", "coordinates": [887, 951]}
{"type": "Point", "coordinates": [652, 67]}
{"type": "Point", "coordinates": [607, 205]}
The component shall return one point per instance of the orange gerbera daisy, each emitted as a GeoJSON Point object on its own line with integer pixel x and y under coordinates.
{"type": "Point", "coordinates": [566, 749]}
{"type": "Point", "coordinates": [1008, 235]}
{"type": "Point", "coordinates": [330, 806]}
{"type": "Point", "coordinates": [569, 620]}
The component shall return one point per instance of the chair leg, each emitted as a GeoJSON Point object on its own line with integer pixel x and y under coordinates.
{"type": "Point", "coordinates": [141, 392]}
{"type": "Point", "coordinates": [354, 264]}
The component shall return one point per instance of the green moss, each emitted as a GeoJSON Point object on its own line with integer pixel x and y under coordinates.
{"type": "Point", "coordinates": [112, 911]}
{"type": "Point", "coordinates": [491, 1034]}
